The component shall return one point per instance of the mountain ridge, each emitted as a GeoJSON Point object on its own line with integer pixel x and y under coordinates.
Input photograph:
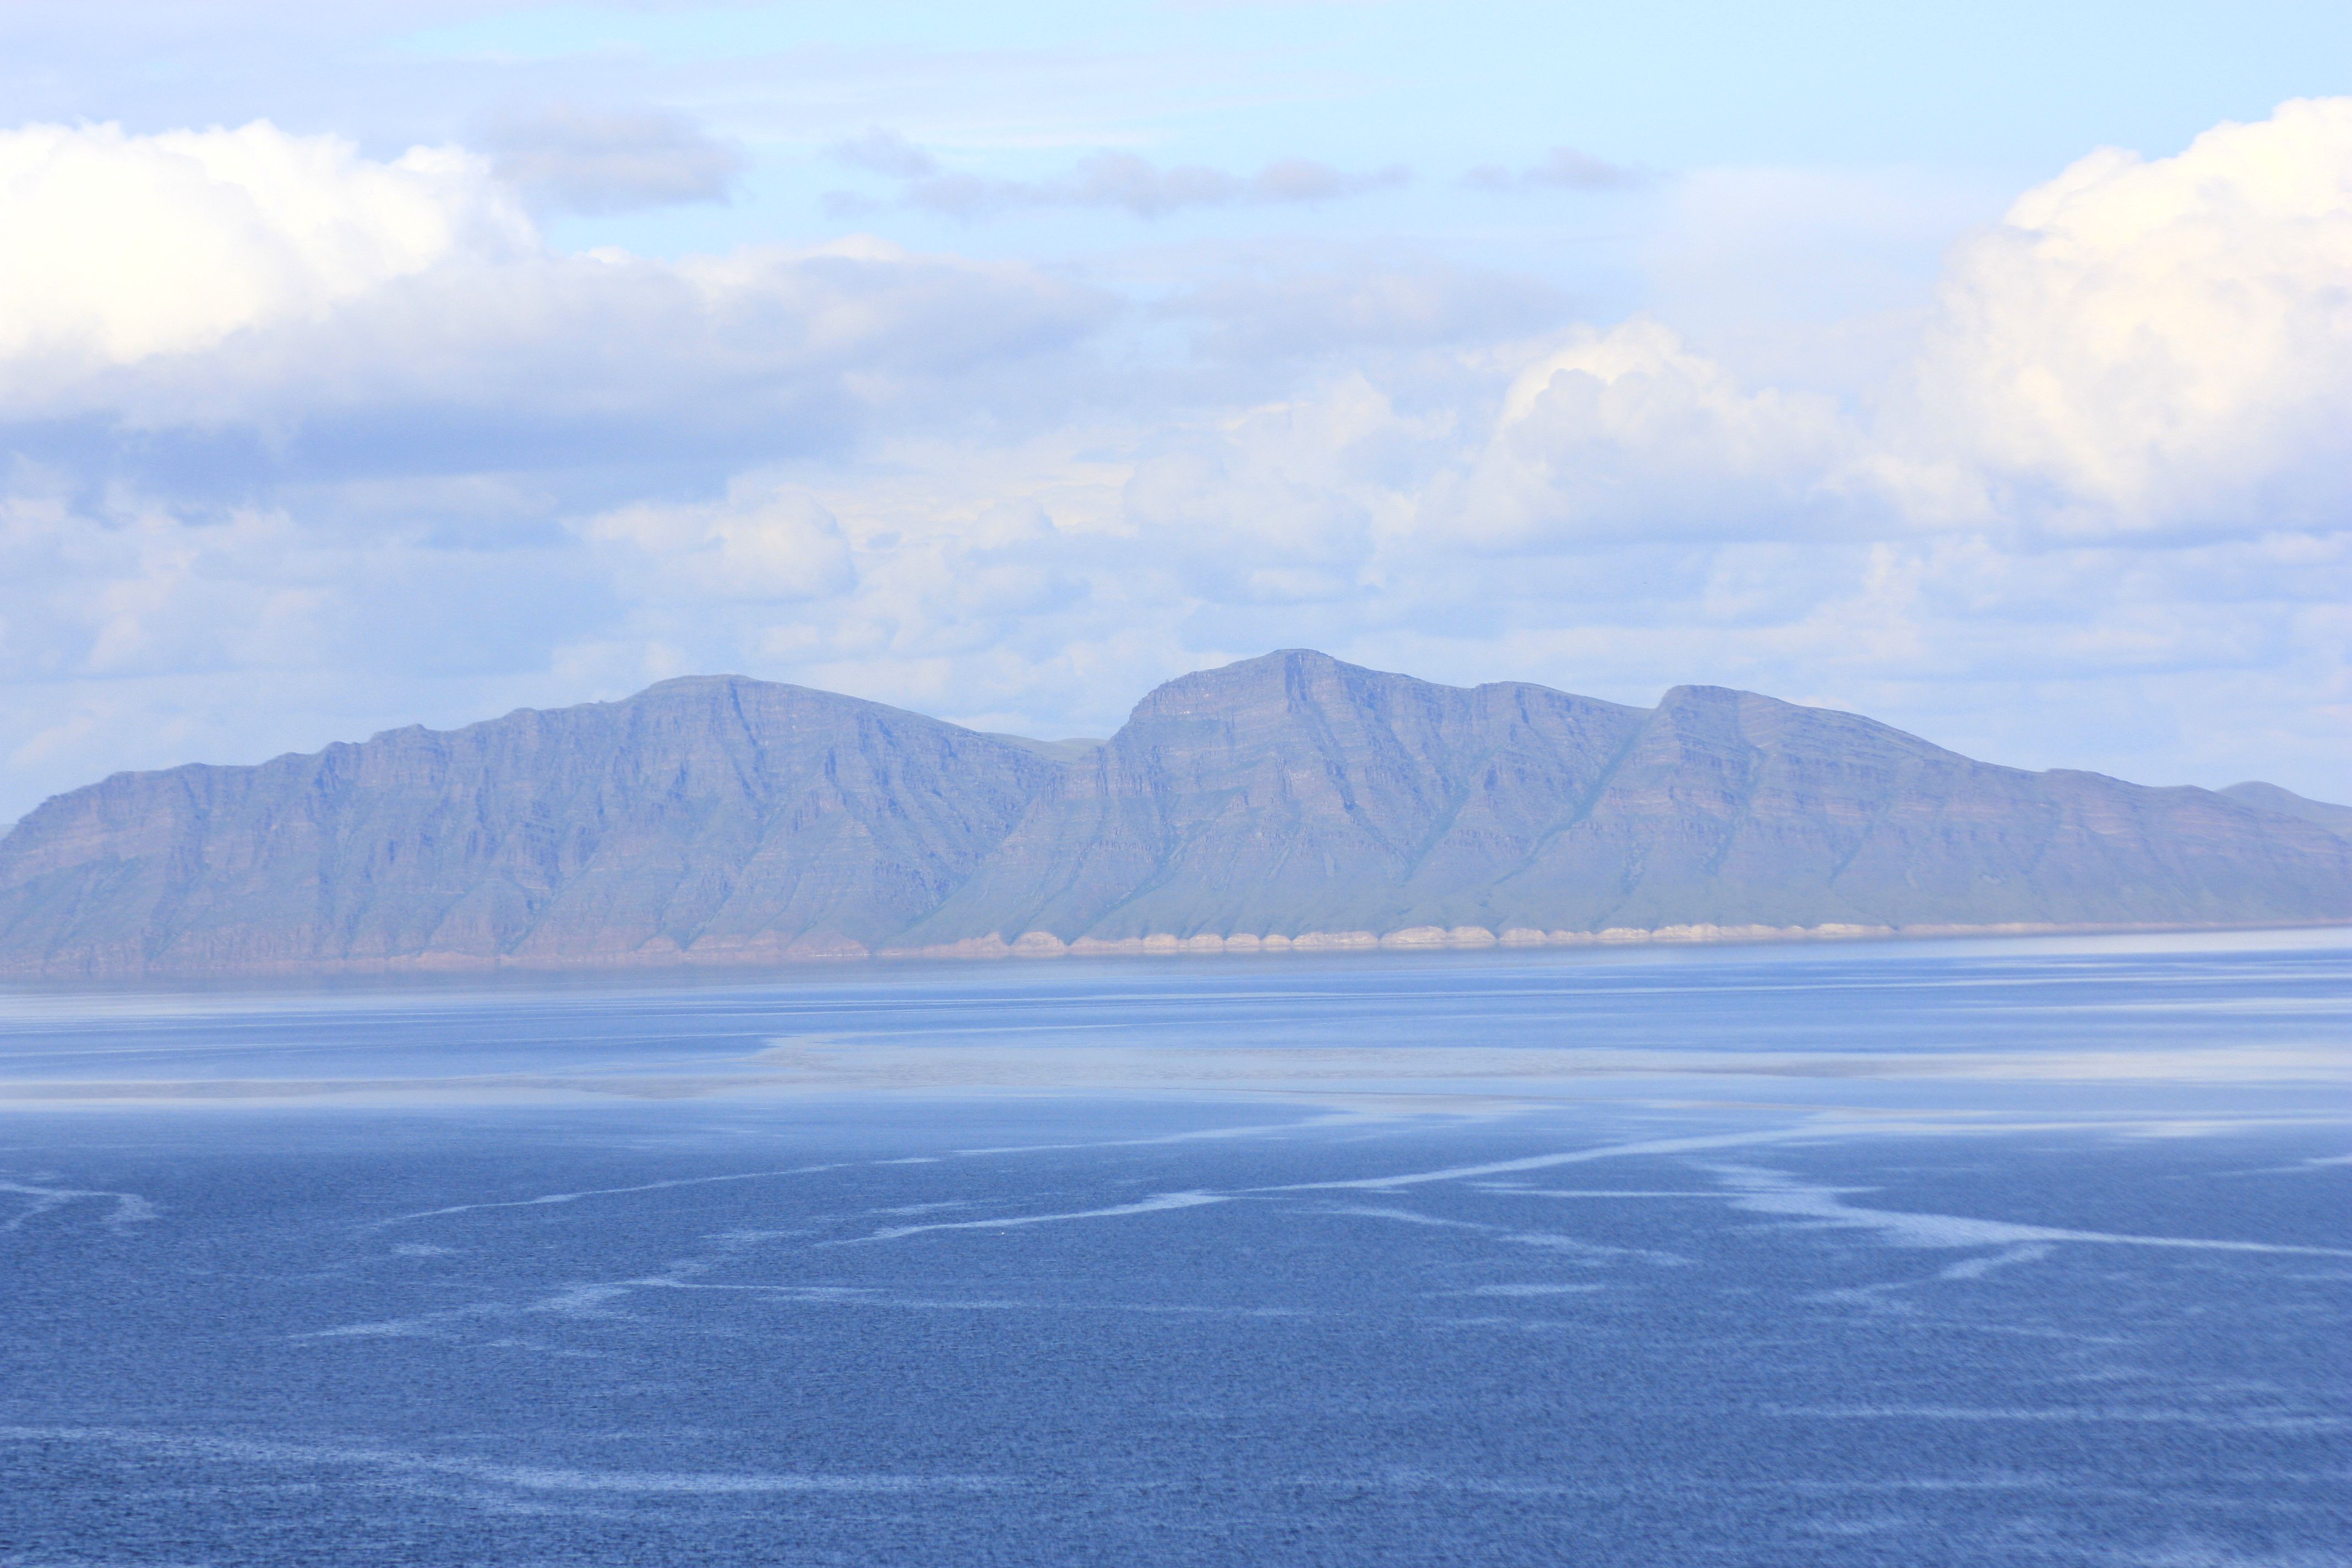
{"type": "Point", "coordinates": [1289, 800]}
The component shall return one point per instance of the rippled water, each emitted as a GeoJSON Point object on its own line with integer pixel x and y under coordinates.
{"type": "Point", "coordinates": [1997, 1253]}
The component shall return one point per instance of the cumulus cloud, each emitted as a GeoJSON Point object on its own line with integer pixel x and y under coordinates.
{"type": "Point", "coordinates": [1290, 504]}
{"type": "Point", "coordinates": [210, 300]}
{"type": "Point", "coordinates": [1118, 180]}
{"type": "Point", "coordinates": [116, 246]}
{"type": "Point", "coordinates": [764, 543]}
{"type": "Point", "coordinates": [574, 159]}
{"type": "Point", "coordinates": [2159, 343]}
{"type": "Point", "coordinates": [133, 587]}
{"type": "Point", "coordinates": [1630, 433]}
{"type": "Point", "coordinates": [135, 631]}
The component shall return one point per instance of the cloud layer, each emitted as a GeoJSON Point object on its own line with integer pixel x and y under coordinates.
{"type": "Point", "coordinates": [305, 443]}
{"type": "Point", "coordinates": [1563, 169]}
{"type": "Point", "coordinates": [1122, 180]}
{"type": "Point", "coordinates": [591, 161]}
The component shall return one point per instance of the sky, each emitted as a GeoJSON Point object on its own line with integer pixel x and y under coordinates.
{"type": "Point", "coordinates": [1987, 369]}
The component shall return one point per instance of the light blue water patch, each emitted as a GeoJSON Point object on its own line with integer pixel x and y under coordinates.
{"type": "Point", "coordinates": [2003, 1254]}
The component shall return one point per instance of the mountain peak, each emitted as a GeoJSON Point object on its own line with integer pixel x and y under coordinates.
{"type": "Point", "coordinates": [2336, 819]}
{"type": "Point", "coordinates": [1292, 797]}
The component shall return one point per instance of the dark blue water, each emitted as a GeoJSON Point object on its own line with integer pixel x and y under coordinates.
{"type": "Point", "coordinates": [2012, 1253]}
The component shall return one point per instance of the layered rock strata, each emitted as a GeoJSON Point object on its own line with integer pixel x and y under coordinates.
{"type": "Point", "coordinates": [1289, 801]}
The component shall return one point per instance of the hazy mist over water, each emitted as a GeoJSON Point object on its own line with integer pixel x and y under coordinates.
{"type": "Point", "coordinates": [1959, 1253]}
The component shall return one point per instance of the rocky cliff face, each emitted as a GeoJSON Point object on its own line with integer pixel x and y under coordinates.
{"type": "Point", "coordinates": [729, 820]}
{"type": "Point", "coordinates": [1733, 809]}
{"type": "Point", "coordinates": [726, 817]}
{"type": "Point", "coordinates": [1290, 793]}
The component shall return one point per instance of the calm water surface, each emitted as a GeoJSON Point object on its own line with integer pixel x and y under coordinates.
{"type": "Point", "coordinates": [2033, 1252]}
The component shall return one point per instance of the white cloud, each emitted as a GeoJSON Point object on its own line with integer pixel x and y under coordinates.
{"type": "Point", "coordinates": [116, 247]}
{"type": "Point", "coordinates": [1627, 434]}
{"type": "Point", "coordinates": [1288, 504]}
{"type": "Point", "coordinates": [406, 315]}
{"type": "Point", "coordinates": [761, 543]}
{"type": "Point", "coordinates": [586, 362]}
{"type": "Point", "coordinates": [129, 587]}
{"type": "Point", "coordinates": [2151, 343]}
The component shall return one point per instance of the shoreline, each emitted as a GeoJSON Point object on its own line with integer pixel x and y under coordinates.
{"type": "Point", "coordinates": [654, 960]}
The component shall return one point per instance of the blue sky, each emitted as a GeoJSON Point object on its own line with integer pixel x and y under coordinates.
{"type": "Point", "coordinates": [382, 362]}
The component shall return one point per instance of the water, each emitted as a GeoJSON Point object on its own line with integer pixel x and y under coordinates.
{"type": "Point", "coordinates": [1993, 1253]}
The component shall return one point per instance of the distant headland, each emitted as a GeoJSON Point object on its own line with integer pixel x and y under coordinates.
{"type": "Point", "coordinates": [1291, 802]}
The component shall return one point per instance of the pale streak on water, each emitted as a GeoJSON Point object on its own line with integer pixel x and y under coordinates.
{"type": "Point", "coordinates": [2033, 1252]}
